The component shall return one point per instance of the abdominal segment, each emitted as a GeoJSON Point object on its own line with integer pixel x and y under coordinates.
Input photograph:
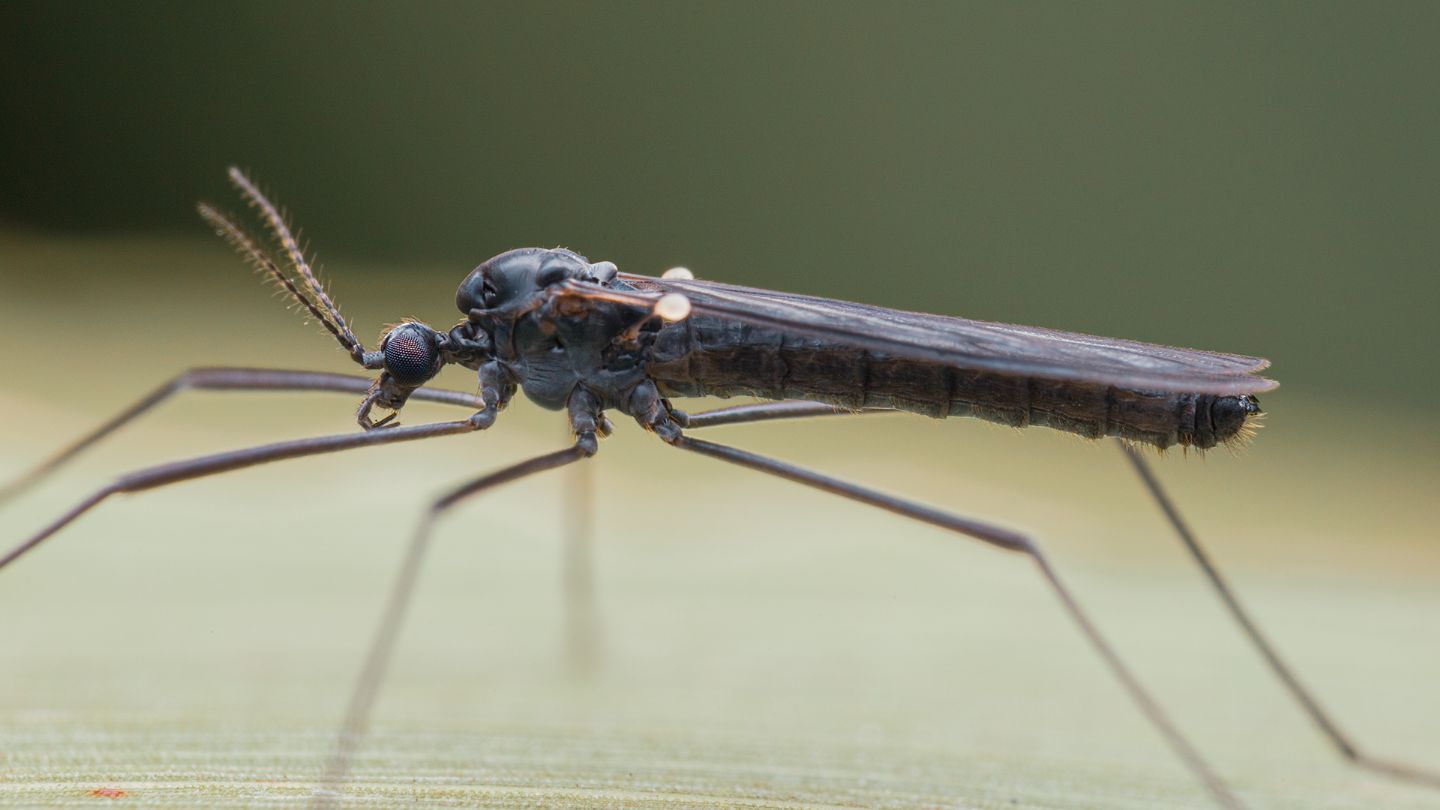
{"type": "Point", "coordinates": [712, 357]}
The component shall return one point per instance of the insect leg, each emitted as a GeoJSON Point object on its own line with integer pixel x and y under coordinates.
{"type": "Point", "coordinates": [582, 617]}
{"type": "Point", "coordinates": [800, 409]}
{"type": "Point", "coordinates": [175, 472]}
{"type": "Point", "coordinates": [766, 411]}
{"type": "Point", "coordinates": [582, 613]}
{"type": "Point", "coordinates": [362, 699]}
{"type": "Point", "coordinates": [582, 625]}
{"type": "Point", "coordinates": [221, 379]}
{"type": "Point", "coordinates": [1282, 670]}
{"type": "Point", "coordinates": [1006, 540]}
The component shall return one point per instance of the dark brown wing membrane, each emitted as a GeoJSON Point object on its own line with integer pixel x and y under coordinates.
{"type": "Point", "coordinates": [962, 343]}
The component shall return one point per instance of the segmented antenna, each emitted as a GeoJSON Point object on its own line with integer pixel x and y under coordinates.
{"type": "Point", "coordinates": [281, 231]}
{"type": "Point", "coordinates": [256, 256]}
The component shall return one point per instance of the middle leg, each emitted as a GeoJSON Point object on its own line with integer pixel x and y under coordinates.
{"type": "Point", "coordinates": [585, 421]}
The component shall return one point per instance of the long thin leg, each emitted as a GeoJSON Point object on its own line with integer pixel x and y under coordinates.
{"type": "Point", "coordinates": [765, 411]}
{"type": "Point", "coordinates": [159, 476]}
{"type": "Point", "coordinates": [582, 620]}
{"type": "Point", "coordinates": [1009, 541]}
{"type": "Point", "coordinates": [222, 379]}
{"type": "Point", "coordinates": [1282, 670]}
{"type": "Point", "coordinates": [362, 699]}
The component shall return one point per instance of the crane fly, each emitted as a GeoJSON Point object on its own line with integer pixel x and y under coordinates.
{"type": "Point", "coordinates": [581, 337]}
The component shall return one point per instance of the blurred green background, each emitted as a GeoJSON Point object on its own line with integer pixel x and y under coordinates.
{"type": "Point", "coordinates": [1252, 178]}
{"type": "Point", "coordinates": [1259, 179]}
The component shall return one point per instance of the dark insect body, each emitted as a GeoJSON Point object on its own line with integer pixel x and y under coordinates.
{"type": "Point", "coordinates": [584, 338]}
{"type": "Point", "coordinates": [528, 313]}
{"type": "Point", "coordinates": [707, 356]}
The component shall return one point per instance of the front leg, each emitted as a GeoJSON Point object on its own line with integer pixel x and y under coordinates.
{"type": "Point", "coordinates": [219, 379]}
{"type": "Point", "coordinates": [496, 389]}
{"type": "Point", "coordinates": [377, 661]}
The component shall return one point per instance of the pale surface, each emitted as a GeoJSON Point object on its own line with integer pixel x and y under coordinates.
{"type": "Point", "coordinates": [763, 646]}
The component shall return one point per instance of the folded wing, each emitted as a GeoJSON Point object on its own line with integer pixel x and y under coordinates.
{"type": "Point", "coordinates": [958, 342]}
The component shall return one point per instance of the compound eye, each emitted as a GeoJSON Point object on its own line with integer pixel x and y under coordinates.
{"type": "Point", "coordinates": [411, 351]}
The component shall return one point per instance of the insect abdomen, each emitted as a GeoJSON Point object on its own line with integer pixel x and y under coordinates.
{"type": "Point", "coordinates": [712, 357]}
